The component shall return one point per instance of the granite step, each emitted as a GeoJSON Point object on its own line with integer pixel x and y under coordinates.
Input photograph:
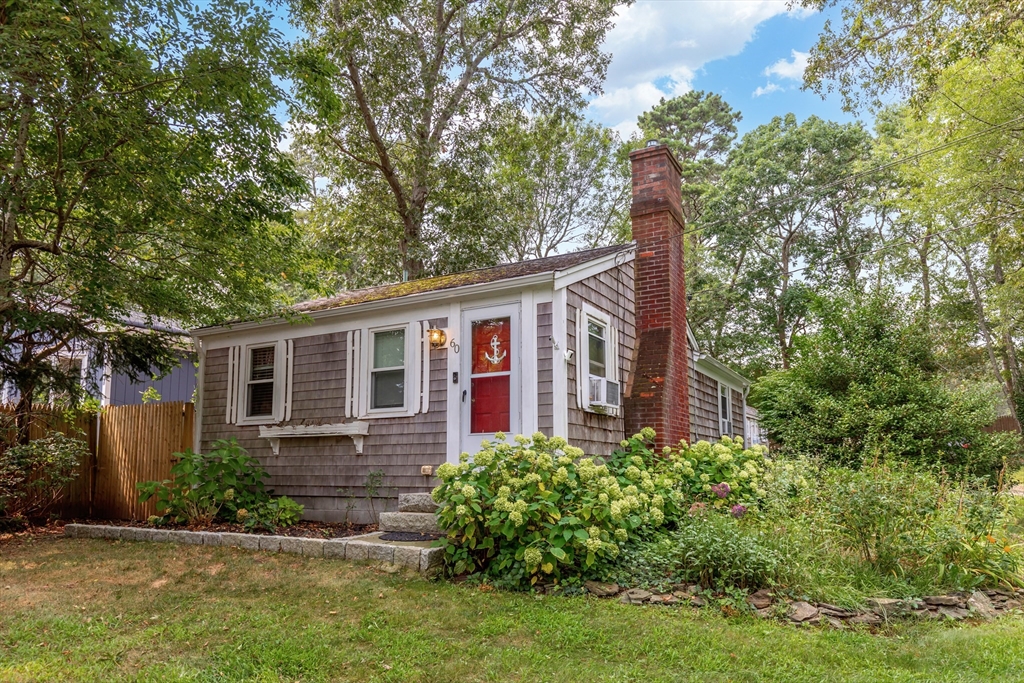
{"type": "Point", "coordinates": [418, 522]}
{"type": "Point", "coordinates": [416, 502]}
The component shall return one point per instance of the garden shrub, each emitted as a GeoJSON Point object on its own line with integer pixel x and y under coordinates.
{"type": "Point", "coordinates": [33, 475]}
{"type": "Point", "coordinates": [226, 483]}
{"type": "Point", "coordinates": [709, 548]}
{"type": "Point", "coordinates": [724, 474]}
{"type": "Point", "coordinates": [866, 388]}
{"type": "Point", "coordinates": [537, 508]}
{"type": "Point", "coordinates": [892, 521]}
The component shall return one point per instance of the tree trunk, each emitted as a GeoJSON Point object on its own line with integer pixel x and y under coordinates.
{"type": "Point", "coordinates": [979, 307]}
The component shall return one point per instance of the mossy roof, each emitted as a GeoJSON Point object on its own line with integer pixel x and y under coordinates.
{"type": "Point", "coordinates": [470, 277]}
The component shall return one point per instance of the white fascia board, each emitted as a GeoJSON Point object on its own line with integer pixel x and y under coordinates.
{"type": "Point", "coordinates": [564, 278]}
{"type": "Point", "coordinates": [354, 310]}
{"type": "Point", "coordinates": [694, 346]}
{"type": "Point", "coordinates": [722, 372]}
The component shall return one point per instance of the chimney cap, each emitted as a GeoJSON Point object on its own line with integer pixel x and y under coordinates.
{"type": "Point", "coordinates": [653, 142]}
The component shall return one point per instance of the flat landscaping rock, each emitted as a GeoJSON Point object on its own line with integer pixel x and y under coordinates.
{"type": "Point", "coordinates": [601, 590]}
{"type": "Point", "coordinates": [635, 596]}
{"type": "Point", "coordinates": [760, 599]}
{"type": "Point", "coordinates": [942, 600]}
{"type": "Point", "coordinates": [981, 605]}
{"type": "Point", "coordinates": [802, 611]}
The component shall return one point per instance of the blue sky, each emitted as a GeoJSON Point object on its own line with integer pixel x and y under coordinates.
{"type": "Point", "coordinates": [751, 52]}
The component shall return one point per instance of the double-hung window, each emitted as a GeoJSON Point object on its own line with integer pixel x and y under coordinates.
{"type": "Point", "coordinates": [598, 361]}
{"type": "Point", "coordinates": [387, 369]}
{"type": "Point", "coordinates": [724, 410]}
{"type": "Point", "coordinates": [259, 377]}
{"type": "Point", "coordinates": [259, 383]}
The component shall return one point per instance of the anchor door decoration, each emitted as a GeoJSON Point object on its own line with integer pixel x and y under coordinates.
{"type": "Point", "coordinates": [491, 376]}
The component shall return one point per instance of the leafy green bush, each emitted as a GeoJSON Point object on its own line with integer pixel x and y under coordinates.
{"type": "Point", "coordinates": [710, 548]}
{"type": "Point", "coordinates": [725, 473]}
{"type": "Point", "coordinates": [882, 525]}
{"type": "Point", "coordinates": [278, 512]}
{"type": "Point", "coordinates": [866, 388]}
{"type": "Point", "coordinates": [536, 507]}
{"type": "Point", "coordinates": [226, 483]}
{"type": "Point", "coordinates": [33, 475]}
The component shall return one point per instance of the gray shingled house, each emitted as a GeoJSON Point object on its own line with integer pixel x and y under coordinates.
{"type": "Point", "coordinates": [400, 378]}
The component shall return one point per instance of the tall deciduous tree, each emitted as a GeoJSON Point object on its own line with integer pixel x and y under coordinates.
{"type": "Point", "coordinates": [561, 183]}
{"type": "Point", "coordinates": [786, 200]}
{"type": "Point", "coordinates": [404, 95]}
{"type": "Point", "coordinates": [903, 46]}
{"type": "Point", "coordinates": [138, 174]}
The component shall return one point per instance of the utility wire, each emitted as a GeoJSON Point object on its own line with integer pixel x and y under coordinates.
{"type": "Point", "coordinates": [843, 257]}
{"type": "Point", "coordinates": [845, 179]}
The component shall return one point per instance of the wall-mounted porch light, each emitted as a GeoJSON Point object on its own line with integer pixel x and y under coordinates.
{"type": "Point", "coordinates": [437, 338]}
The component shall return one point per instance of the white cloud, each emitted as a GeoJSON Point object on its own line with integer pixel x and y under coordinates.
{"type": "Point", "coordinates": [792, 69]}
{"type": "Point", "coordinates": [767, 89]}
{"type": "Point", "coordinates": [657, 47]}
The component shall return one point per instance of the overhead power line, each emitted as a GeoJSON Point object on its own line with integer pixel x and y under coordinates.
{"type": "Point", "coordinates": [890, 245]}
{"type": "Point", "coordinates": [845, 179]}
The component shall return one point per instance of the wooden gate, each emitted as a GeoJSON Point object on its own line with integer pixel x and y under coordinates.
{"type": "Point", "coordinates": [127, 444]}
{"type": "Point", "coordinates": [136, 444]}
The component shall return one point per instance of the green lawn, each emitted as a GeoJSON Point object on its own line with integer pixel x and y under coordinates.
{"type": "Point", "coordinates": [82, 610]}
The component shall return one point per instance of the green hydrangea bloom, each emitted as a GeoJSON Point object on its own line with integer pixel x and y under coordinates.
{"type": "Point", "coordinates": [532, 557]}
{"type": "Point", "coordinates": [632, 473]}
{"type": "Point", "coordinates": [648, 434]}
{"type": "Point", "coordinates": [468, 491]}
{"type": "Point", "coordinates": [447, 471]}
{"type": "Point", "coordinates": [621, 535]}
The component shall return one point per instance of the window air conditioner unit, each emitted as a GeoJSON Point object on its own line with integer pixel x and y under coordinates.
{"type": "Point", "coordinates": [604, 393]}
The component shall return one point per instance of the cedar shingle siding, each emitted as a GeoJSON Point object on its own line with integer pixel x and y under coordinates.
{"type": "Point", "coordinates": [545, 384]}
{"type": "Point", "coordinates": [311, 470]}
{"type": "Point", "coordinates": [704, 425]}
{"type": "Point", "coordinates": [737, 414]}
{"type": "Point", "coordinates": [612, 293]}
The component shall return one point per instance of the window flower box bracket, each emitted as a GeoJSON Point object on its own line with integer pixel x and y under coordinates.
{"type": "Point", "coordinates": [354, 430]}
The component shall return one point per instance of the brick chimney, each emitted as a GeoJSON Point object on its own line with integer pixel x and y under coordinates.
{"type": "Point", "coordinates": [659, 395]}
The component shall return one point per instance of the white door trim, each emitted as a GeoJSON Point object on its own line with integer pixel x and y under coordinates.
{"type": "Point", "coordinates": [512, 310]}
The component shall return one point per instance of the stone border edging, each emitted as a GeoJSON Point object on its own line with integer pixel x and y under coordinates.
{"type": "Point", "coordinates": [424, 560]}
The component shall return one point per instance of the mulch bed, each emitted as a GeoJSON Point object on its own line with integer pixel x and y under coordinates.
{"type": "Point", "coordinates": [300, 530]}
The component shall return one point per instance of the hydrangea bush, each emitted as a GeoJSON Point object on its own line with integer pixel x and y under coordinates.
{"type": "Point", "coordinates": [724, 475]}
{"type": "Point", "coordinates": [535, 507]}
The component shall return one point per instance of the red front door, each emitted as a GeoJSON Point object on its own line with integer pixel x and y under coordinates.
{"type": "Point", "coordinates": [491, 363]}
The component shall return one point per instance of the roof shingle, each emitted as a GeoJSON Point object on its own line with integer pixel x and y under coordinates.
{"type": "Point", "coordinates": [469, 277]}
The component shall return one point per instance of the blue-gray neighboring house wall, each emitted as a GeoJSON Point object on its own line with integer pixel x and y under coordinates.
{"type": "Point", "coordinates": [179, 385]}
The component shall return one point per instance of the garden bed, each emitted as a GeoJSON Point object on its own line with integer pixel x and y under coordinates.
{"type": "Point", "coordinates": [304, 529]}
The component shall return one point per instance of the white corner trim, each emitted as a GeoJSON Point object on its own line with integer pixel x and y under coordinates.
{"type": "Point", "coordinates": [453, 391]}
{"type": "Point", "coordinates": [197, 409]}
{"type": "Point", "coordinates": [559, 371]}
{"type": "Point", "coordinates": [528, 364]}
{"type": "Point", "coordinates": [355, 430]}
{"type": "Point", "coordinates": [564, 278]}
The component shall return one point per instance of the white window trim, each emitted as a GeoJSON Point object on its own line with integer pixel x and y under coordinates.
{"type": "Point", "coordinates": [728, 403]}
{"type": "Point", "coordinates": [239, 367]}
{"type": "Point", "coordinates": [612, 369]}
{"type": "Point", "coordinates": [415, 333]}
